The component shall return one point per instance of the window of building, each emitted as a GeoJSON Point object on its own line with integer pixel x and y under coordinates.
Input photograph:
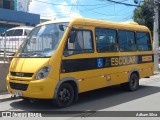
{"type": "Point", "coordinates": [126, 40]}
{"type": "Point", "coordinates": [143, 41]}
{"type": "Point", "coordinates": [106, 40]}
{"type": "Point", "coordinates": [8, 4]}
{"type": "Point", "coordinates": [1, 3]}
{"type": "Point", "coordinates": [82, 42]}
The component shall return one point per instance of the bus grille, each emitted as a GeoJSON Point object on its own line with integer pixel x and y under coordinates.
{"type": "Point", "coordinates": [18, 86]}
{"type": "Point", "coordinates": [20, 74]}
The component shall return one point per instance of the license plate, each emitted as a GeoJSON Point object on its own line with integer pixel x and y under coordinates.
{"type": "Point", "coordinates": [18, 93]}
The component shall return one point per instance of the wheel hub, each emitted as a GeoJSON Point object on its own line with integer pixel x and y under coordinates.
{"type": "Point", "coordinates": [64, 95]}
{"type": "Point", "coordinates": [133, 82]}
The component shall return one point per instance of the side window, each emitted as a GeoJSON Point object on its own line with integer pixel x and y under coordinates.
{"type": "Point", "coordinates": [106, 40]}
{"type": "Point", "coordinates": [143, 41]}
{"type": "Point", "coordinates": [79, 41]}
{"type": "Point", "coordinates": [9, 33]}
{"type": "Point", "coordinates": [26, 32]}
{"type": "Point", "coordinates": [18, 32]}
{"type": "Point", "coordinates": [126, 40]}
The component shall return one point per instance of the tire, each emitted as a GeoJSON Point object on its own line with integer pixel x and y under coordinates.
{"type": "Point", "coordinates": [133, 83]}
{"type": "Point", "coordinates": [65, 95]}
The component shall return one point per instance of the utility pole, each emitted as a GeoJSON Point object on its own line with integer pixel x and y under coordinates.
{"type": "Point", "coordinates": [156, 35]}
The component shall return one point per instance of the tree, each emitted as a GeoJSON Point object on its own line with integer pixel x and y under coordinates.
{"type": "Point", "coordinates": [144, 14]}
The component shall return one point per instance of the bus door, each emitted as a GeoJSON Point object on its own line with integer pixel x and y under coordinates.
{"type": "Point", "coordinates": [79, 60]}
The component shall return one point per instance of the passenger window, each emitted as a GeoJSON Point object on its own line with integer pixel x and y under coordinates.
{"type": "Point", "coordinates": [79, 41]}
{"type": "Point", "coordinates": [9, 33]}
{"type": "Point", "coordinates": [106, 40]}
{"type": "Point", "coordinates": [126, 40]}
{"type": "Point", "coordinates": [18, 32]}
{"type": "Point", "coordinates": [143, 41]}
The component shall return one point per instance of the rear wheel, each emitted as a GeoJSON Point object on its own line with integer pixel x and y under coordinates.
{"type": "Point", "coordinates": [65, 95]}
{"type": "Point", "coordinates": [133, 83]}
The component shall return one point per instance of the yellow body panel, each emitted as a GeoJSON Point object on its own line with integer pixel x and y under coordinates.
{"type": "Point", "coordinates": [88, 79]}
{"type": "Point", "coordinates": [28, 65]}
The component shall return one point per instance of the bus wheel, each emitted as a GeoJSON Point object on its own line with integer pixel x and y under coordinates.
{"type": "Point", "coordinates": [65, 95]}
{"type": "Point", "coordinates": [133, 83]}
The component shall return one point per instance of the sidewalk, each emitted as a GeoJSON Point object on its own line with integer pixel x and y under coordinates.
{"type": "Point", "coordinates": [6, 97]}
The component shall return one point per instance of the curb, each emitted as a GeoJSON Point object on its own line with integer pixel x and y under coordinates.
{"type": "Point", "coordinates": [8, 97]}
{"type": "Point", "coordinates": [4, 93]}
{"type": "Point", "coordinates": [156, 73]}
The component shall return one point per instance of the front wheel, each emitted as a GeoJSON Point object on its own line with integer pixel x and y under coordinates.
{"type": "Point", "coordinates": [133, 83]}
{"type": "Point", "coordinates": [65, 95]}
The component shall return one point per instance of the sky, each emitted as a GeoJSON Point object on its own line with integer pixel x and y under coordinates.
{"type": "Point", "coordinates": [94, 9]}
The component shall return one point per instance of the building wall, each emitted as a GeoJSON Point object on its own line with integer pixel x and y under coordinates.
{"type": "Point", "coordinates": [15, 13]}
{"type": "Point", "coordinates": [3, 73]}
{"type": "Point", "coordinates": [22, 17]}
{"type": "Point", "coordinates": [22, 5]}
{"type": "Point", "coordinates": [1, 3]}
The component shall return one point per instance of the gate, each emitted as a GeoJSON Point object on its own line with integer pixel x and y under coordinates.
{"type": "Point", "coordinates": [8, 46]}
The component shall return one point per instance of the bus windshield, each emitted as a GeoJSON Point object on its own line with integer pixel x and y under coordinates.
{"type": "Point", "coordinates": [42, 41]}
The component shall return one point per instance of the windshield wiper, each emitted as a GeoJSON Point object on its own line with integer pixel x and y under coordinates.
{"type": "Point", "coordinates": [38, 55]}
{"type": "Point", "coordinates": [24, 55]}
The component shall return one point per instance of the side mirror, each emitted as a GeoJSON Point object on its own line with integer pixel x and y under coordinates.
{"type": "Point", "coordinates": [72, 36]}
{"type": "Point", "coordinates": [61, 27]}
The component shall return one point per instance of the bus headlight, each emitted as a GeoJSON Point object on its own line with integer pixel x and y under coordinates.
{"type": "Point", "coordinates": [43, 73]}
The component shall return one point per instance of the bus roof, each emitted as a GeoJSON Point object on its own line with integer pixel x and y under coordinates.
{"type": "Point", "coordinates": [101, 23]}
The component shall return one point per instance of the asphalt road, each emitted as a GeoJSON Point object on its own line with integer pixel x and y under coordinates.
{"type": "Point", "coordinates": [146, 98]}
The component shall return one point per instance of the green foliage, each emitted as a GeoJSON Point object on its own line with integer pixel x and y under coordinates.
{"type": "Point", "coordinates": [144, 14]}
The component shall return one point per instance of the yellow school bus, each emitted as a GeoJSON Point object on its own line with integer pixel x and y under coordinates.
{"type": "Point", "coordinates": [61, 58]}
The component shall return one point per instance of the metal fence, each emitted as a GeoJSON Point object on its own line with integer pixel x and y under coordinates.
{"type": "Point", "coordinates": [8, 46]}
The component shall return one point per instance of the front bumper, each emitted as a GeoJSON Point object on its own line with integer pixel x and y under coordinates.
{"type": "Point", "coordinates": [38, 89]}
